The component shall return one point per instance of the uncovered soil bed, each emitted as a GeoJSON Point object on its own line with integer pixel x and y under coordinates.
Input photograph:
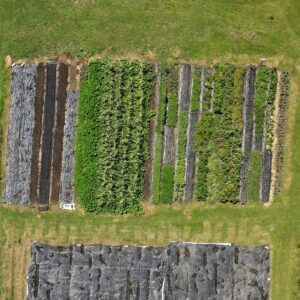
{"type": "Point", "coordinates": [37, 132]}
{"type": "Point", "coordinates": [61, 95]}
{"type": "Point", "coordinates": [49, 113]}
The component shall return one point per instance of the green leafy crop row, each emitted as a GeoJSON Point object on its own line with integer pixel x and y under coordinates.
{"type": "Point", "coordinates": [180, 167]}
{"type": "Point", "coordinates": [172, 95]}
{"type": "Point", "coordinates": [265, 91]}
{"type": "Point", "coordinates": [254, 174]}
{"type": "Point", "coordinates": [270, 108]}
{"type": "Point", "coordinates": [203, 134]}
{"type": "Point", "coordinates": [208, 90]}
{"type": "Point", "coordinates": [163, 175]}
{"type": "Point", "coordinates": [196, 90]}
{"type": "Point", "coordinates": [111, 143]}
{"type": "Point", "coordinates": [264, 106]}
{"type": "Point", "coordinates": [225, 161]}
{"type": "Point", "coordinates": [218, 138]}
{"type": "Point", "coordinates": [160, 121]}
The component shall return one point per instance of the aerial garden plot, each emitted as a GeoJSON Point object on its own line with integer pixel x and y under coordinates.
{"type": "Point", "coordinates": [139, 132]}
{"type": "Point", "coordinates": [149, 149]}
{"type": "Point", "coordinates": [112, 135]}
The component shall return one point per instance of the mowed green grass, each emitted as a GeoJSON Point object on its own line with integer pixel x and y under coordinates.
{"type": "Point", "coordinates": [190, 29]}
{"type": "Point", "coordinates": [204, 30]}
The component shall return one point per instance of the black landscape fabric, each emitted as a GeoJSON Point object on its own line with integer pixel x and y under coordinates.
{"type": "Point", "coordinates": [178, 271]}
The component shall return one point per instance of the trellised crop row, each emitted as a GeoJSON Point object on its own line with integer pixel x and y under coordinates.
{"type": "Point", "coordinates": [111, 144]}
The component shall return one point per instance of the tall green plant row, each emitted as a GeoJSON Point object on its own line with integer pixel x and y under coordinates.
{"type": "Point", "coordinates": [160, 121]}
{"type": "Point", "coordinates": [112, 142]}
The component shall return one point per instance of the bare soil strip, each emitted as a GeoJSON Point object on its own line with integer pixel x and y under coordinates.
{"type": "Point", "coordinates": [47, 136]}
{"type": "Point", "coordinates": [37, 132]}
{"type": "Point", "coordinates": [169, 156]}
{"type": "Point", "coordinates": [61, 95]}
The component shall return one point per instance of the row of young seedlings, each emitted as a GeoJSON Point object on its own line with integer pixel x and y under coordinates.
{"type": "Point", "coordinates": [214, 133]}
{"type": "Point", "coordinates": [112, 128]}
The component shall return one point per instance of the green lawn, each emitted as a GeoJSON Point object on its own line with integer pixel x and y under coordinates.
{"type": "Point", "coordinates": [204, 30]}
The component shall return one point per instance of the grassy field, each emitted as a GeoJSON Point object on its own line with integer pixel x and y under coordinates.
{"type": "Point", "coordinates": [239, 31]}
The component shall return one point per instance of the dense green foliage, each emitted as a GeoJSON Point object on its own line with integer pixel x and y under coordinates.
{"type": "Point", "coordinates": [208, 91]}
{"type": "Point", "coordinates": [168, 115]}
{"type": "Point", "coordinates": [196, 90]}
{"type": "Point", "coordinates": [264, 98]}
{"type": "Point", "coordinates": [111, 144]}
{"type": "Point", "coordinates": [270, 107]}
{"type": "Point", "coordinates": [203, 134]}
{"type": "Point", "coordinates": [265, 91]}
{"type": "Point", "coordinates": [167, 184]}
{"type": "Point", "coordinates": [181, 152]}
{"type": "Point", "coordinates": [224, 162]}
{"type": "Point", "coordinates": [172, 95]}
{"type": "Point", "coordinates": [160, 121]}
{"type": "Point", "coordinates": [261, 87]}
{"type": "Point", "coordinates": [238, 97]}
{"type": "Point", "coordinates": [218, 136]}
{"type": "Point", "coordinates": [254, 175]}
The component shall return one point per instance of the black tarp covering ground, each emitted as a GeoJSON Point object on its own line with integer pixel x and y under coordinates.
{"type": "Point", "coordinates": [41, 134]}
{"type": "Point", "coordinates": [68, 160]}
{"type": "Point", "coordinates": [20, 134]}
{"type": "Point", "coordinates": [178, 271]}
